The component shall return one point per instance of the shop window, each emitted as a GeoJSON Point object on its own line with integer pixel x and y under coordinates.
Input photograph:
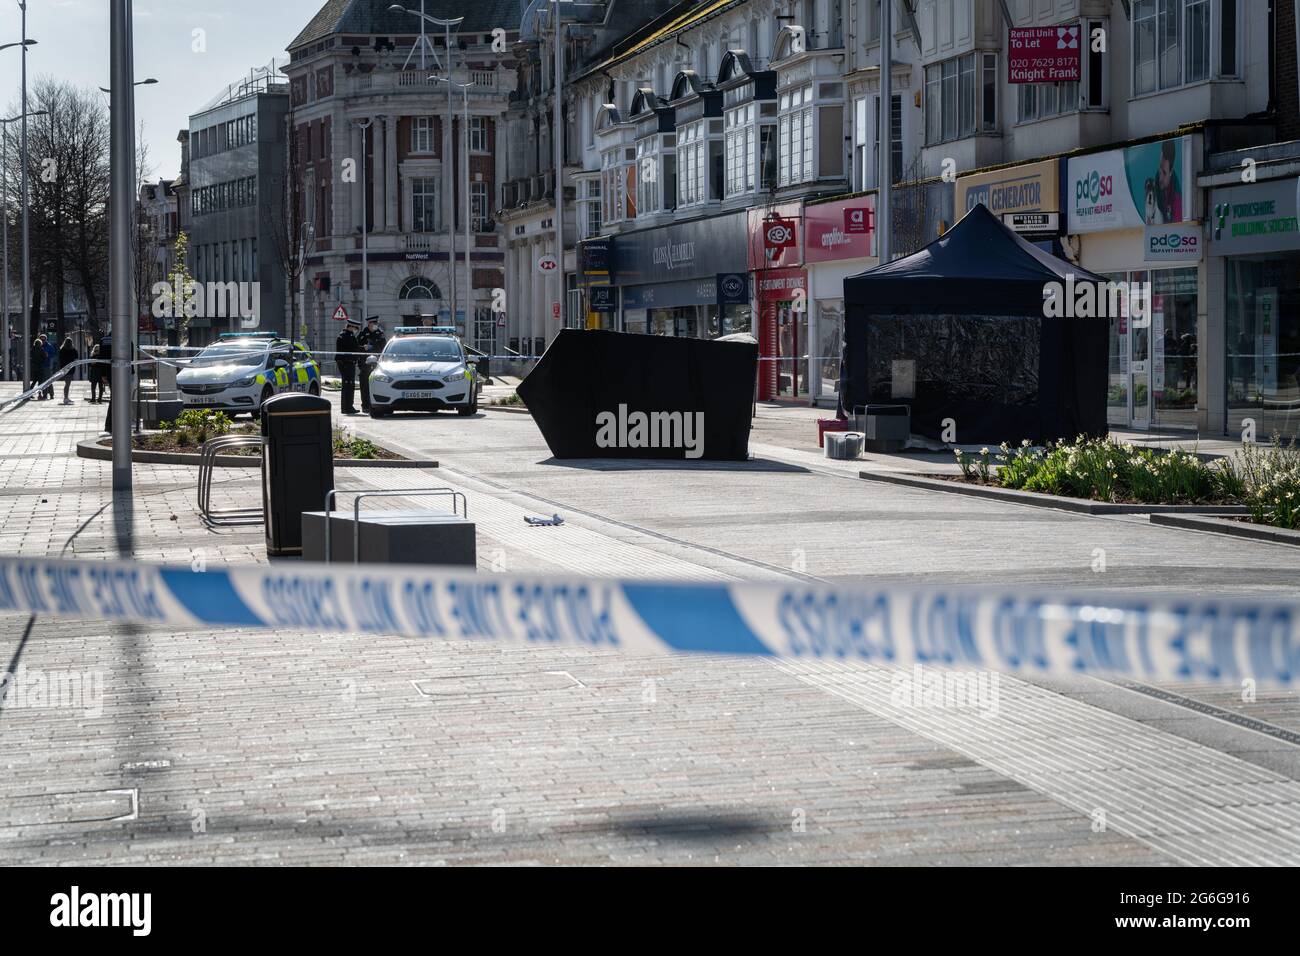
{"type": "Point", "coordinates": [1262, 345]}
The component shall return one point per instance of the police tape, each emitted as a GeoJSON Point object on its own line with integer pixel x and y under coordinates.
{"type": "Point", "coordinates": [1004, 628]}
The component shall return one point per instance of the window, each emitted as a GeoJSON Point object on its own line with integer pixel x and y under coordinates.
{"type": "Point", "coordinates": [1038, 100]}
{"type": "Point", "coordinates": [795, 136]}
{"type": "Point", "coordinates": [478, 134]}
{"type": "Point", "coordinates": [656, 173]}
{"type": "Point", "coordinates": [692, 164]}
{"type": "Point", "coordinates": [422, 134]}
{"type": "Point", "coordinates": [951, 100]}
{"type": "Point", "coordinates": [1173, 42]}
{"type": "Point", "coordinates": [418, 287]}
{"type": "Point", "coordinates": [478, 206]}
{"type": "Point", "coordinates": [618, 180]}
{"type": "Point", "coordinates": [424, 204]}
{"type": "Point", "coordinates": [741, 149]}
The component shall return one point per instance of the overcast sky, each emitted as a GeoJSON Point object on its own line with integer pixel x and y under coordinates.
{"type": "Point", "coordinates": [72, 43]}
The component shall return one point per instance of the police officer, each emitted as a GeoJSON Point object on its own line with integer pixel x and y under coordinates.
{"type": "Point", "coordinates": [347, 343]}
{"type": "Point", "coordinates": [372, 343]}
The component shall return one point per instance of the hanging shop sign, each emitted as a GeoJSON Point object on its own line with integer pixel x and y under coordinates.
{"type": "Point", "coordinates": [602, 298]}
{"type": "Point", "coordinates": [782, 223]}
{"type": "Point", "coordinates": [779, 234]}
{"type": "Point", "coordinates": [1044, 55]}
{"type": "Point", "coordinates": [733, 288]}
{"type": "Point", "coordinates": [1146, 185]}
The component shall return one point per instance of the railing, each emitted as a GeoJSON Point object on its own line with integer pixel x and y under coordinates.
{"type": "Point", "coordinates": [481, 81]}
{"type": "Point", "coordinates": [418, 241]}
{"type": "Point", "coordinates": [207, 459]}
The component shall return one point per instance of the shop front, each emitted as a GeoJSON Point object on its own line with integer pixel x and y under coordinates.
{"type": "Point", "coordinates": [1255, 250]}
{"type": "Point", "coordinates": [839, 241]}
{"type": "Point", "coordinates": [1133, 217]}
{"type": "Point", "coordinates": [685, 279]}
{"type": "Point", "coordinates": [776, 243]}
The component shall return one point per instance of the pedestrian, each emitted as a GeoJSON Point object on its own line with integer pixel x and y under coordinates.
{"type": "Point", "coordinates": [372, 343]}
{"type": "Point", "coordinates": [36, 359]}
{"type": "Point", "coordinates": [347, 344]}
{"type": "Point", "coordinates": [95, 376]}
{"type": "Point", "coordinates": [51, 364]}
{"type": "Point", "coordinates": [67, 356]}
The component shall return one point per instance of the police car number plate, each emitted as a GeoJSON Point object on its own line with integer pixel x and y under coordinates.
{"type": "Point", "coordinates": [203, 400]}
{"type": "Point", "coordinates": [417, 394]}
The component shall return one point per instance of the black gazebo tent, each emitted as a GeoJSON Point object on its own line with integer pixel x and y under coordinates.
{"type": "Point", "coordinates": [958, 331]}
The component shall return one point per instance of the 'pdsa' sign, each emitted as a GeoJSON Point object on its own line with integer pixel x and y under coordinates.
{"type": "Point", "coordinates": [1044, 55]}
{"type": "Point", "coordinates": [1173, 242]}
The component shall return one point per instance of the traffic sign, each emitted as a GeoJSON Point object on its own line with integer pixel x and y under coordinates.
{"type": "Point", "coordinates": [547, 264]}
{"type": "Point", "coordinates": [340, 313]}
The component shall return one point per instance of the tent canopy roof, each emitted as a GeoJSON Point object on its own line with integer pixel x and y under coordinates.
{"type": "Point", "coordinates": [977, 266]}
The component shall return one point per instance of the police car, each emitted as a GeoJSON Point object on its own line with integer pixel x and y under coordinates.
{"type": "Point", "coordinates": [243, 369]}
{"type": "Point", "coordinates": [423, 368]}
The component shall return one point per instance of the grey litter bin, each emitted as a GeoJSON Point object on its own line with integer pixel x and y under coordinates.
{"type": "Point", "coordinates": [297, 465]}
{"type": "Point", "coordinates": [885, 428]}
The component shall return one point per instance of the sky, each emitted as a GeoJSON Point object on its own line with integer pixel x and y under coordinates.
{"type": "Point", "coordinates": [73, 43]}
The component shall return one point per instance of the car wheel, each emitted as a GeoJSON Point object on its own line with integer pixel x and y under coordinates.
{"type": "Point", "coordinates": [267, 392]}
{"type": "Point", "coordinates": [313, 388]}
{"type": "Point", "coordinates": [467, 410]}
{"type": "Point", "coordinates": [376, 413]}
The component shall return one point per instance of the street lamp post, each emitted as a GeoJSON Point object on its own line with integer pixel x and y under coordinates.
{"type": "Point", "coordinates": [121, 201]}
{"type": "Point", "coordinates": [885, 117]}
{"type": "Point", "coordinates": [365, 226]}
{"type": "Point", "coordinates": [446, 139]}
{"type": "Point", "coordinates": [27, 266]}
{"type": "Point", "coordinates": [464, 135]}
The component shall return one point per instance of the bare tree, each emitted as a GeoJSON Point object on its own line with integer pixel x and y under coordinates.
{"type": "Point", "coordinates": [285, 212]}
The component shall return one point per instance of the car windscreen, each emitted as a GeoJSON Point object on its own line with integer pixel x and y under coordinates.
{"type": "Point", "coordinates": [232, 353]}
{"type": "Point", "coordinates": [423, 349]}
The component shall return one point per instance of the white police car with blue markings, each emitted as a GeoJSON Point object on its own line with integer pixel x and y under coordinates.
{"type": "Point", "coordinates": [423, 368]}
{"type": "Point", "coordinates": [241, 370]}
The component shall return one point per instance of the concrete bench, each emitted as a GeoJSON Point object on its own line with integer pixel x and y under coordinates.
{"type": "Point", "coordinates": [391, 537]}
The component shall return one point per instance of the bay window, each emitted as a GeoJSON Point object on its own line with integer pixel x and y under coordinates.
{"type": "Point", "coordinates": [656, 165]}
{"type": "Point", "coordinates": [692, 164]}
{"type": "Point", "coordinates": [618, 185]}
{"type": "Point", "coordinates": [961, 97]}
{"type": "Point", "coordinates": [740, 135]}
{"type": "Point", "coordinates": [795, 136]}
{"type": "Point", "coordinates": [1174, 42]}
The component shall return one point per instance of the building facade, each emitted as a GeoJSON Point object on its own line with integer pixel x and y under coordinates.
{"type": "Point", "coordinates": [383, 118]}
{"type": "Point", "coordinates": [773, 109]}
{"type": "Point", "coordinates": [234, 178]}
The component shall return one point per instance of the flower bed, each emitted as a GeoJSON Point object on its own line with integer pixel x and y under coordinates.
{"type": "Point", "coordinates": [1264, 479]}
{"type": "Point", "coordinates": [196, 425]}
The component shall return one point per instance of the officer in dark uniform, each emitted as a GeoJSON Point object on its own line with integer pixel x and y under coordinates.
{"type": "Point", "coordinates": [347, 343]}
{"type": "Point", "coordinates": [372, 343]}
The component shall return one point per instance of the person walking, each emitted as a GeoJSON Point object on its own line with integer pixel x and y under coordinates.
{"type": "Point", "coordinates": [345, 345]}
{"type": "Point", "coordinates": [372, 343]}
{"type": "Point", "coordinates": [51, 364]}
{"type": "Point", "coordinates": [95, 376]}
{"type": "Point", "coordinates": [36, 361]}
{"type": "Point", "coordinates": [67, 356]}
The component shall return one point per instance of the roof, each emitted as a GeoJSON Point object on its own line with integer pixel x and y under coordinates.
{"type": "Point", "coordinates": [672, 26]}
{"type": "Point", "coordinates": [372, 17]}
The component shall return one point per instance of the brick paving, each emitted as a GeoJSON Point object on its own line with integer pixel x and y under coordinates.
{"type": "Point", "coordinates": [233, 746]}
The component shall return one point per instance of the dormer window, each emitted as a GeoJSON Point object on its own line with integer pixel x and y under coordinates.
{"type": "Point", "coordinates": [656, 160]}
{"type": "Point", "coordinates": [698, 107]}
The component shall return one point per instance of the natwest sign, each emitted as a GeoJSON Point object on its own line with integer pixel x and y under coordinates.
{"type": "Point", "coordinates": [845, 229]}
{"type": "Point", "coordinates": [1044, 55]}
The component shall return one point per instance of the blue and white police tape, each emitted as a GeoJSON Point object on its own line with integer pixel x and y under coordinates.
{"type": "Point", "coordinates": [1013, 629]}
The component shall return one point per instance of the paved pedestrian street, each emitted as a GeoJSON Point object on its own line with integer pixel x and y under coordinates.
{"type": "Point", "coordinates": [241, 746]}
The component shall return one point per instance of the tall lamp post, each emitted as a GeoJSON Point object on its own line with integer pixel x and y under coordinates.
{"type": "Point", "coordinates": [365, 224]}
{"type": "Point", "coordinates": [4, 226]}
{"type": "Point", "coordinates": [464, 136]}
{"type": "Point", "coordinates": [121, 202]}
{"type": "Point", "coordinates": [27, 266]}
{"type": "Point", "coordinates": [447, 26]}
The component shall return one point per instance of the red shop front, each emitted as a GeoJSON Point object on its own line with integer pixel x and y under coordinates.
{"type": "Point", "coordinates": [782, 333]}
